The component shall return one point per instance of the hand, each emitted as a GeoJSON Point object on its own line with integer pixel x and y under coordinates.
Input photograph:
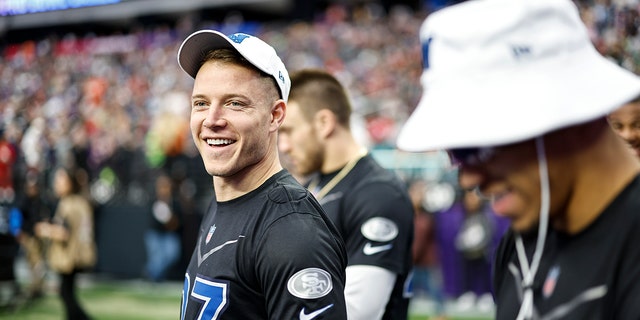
{"type": "Point", "coordinates": [58, 232]}
{"type": "Point", "coordinates": [50, 231]}
{"type": "Point", "coordinates": [41, 229]}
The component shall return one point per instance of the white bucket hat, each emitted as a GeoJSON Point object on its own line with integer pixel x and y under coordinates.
{"type": "Point", "coordinates": [502, 71]}
{"type": "Point", "coordinates": [256, 51]}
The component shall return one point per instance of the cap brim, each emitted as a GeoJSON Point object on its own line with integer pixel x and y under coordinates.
{"type": "Point", "coordinates": [500, 108]}
{"type": "Point", "coordinates": [197, 45]}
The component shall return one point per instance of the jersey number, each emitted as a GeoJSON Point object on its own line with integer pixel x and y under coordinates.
{"type": "Point", "coordinates": [211, 295]}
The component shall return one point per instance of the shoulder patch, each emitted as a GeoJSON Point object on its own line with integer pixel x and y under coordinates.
{"type": "Point", "coordinates": [379, 229]}
{"type": "Point", "coordinates": [310, 283]}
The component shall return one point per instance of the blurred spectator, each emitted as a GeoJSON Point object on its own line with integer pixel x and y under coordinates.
{"type": "Point", "coordinates": [474, 242]}
{"type": "Point", "coordinates": [162, 239]}
{"type": "Point", "coordinates": [71, 238]}
{"type": "Point", "coordinates": [625, 121]}
{"type": "Point", "coordinates": [35, 209]}
{"type": "Point", "coordinates": [467, 235]}
{"type": "Point", "coordinates": [183, 170]}
{"type": "Point", "coordinates": [33, 145]}
{"type": "Point", "coordinates": [427, 276]}
{"type": "Point", "coordinates": [8, 157]}
{"type": "Point", "coordinates": [9, 288]}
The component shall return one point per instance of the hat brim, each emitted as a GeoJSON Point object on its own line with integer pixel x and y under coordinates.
{"type": "Point", "coordinates": [499, 108]}
{"type": "Point", "coordinates": [197, 45]}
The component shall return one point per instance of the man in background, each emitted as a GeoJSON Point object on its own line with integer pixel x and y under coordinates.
{"type": "Point", "coordinates": [369, 204]}
{"type": "Point", "coordinates": [625, 121]}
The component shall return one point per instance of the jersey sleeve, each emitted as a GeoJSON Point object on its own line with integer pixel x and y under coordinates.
{"type": "Point", "coordinates": [379, 226]}
{"type": "Point", "coordinates": [367, 298]}
{"type": "Point", "coordinates": [300, 265]}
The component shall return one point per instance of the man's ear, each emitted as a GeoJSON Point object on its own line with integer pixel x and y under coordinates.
{"type": "Point", "coordinates": [278, 112]}
{"type": "Point", "coordinates": [324, 122]}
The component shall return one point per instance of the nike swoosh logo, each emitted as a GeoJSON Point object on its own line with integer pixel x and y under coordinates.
{"type": "Point", "coordinates": [202, 257]}
{"type": "Point", "coordinates": [310, 316]}
{"type": "Point", "coordinates": [592, 294]}
{"type": "Point", "coordinates": [562, 310]}
{"type": "Point", "coordinates": [369, 249]}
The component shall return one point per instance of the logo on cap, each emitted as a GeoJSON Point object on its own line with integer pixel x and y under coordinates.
{"type": "Point", "coordinates": [425, 52]}
{"type": "Point", "coordinates": [238, 37]}
{"type": "Point", "coordinates": [520, 51]}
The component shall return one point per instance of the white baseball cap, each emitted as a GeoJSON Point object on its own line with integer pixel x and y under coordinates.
{"type": "Point", "coordinates": [502, 71]}
{"type": "Point", "coordinates": [256, 51]}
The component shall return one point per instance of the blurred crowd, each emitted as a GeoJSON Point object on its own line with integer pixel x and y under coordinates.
{"type": "Point", "coordinates": [117, 105]}
{"type": "Point", "coordinates": [100, 102]}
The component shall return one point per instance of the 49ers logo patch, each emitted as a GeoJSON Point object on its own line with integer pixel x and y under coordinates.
{"type": "Point", "coordinates": [379, 229]}
{"type": "Point", "coordinates": [310, 283]}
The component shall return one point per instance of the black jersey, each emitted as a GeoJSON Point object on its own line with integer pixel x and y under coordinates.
{"type": "Point", "coordinates": [591, 275]}
{"type": "Point", "coordinates": [374, 214]}
{"type": "Point", "coordinates": [270, 254]}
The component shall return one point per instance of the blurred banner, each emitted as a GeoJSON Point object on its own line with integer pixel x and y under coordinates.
{"type": "Point", "coordinates": [20, 14]}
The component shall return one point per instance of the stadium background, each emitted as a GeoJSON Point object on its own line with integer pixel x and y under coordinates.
{"type": "Point", "coordinates": [99, 86]}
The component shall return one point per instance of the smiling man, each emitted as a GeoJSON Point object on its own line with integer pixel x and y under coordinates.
{"type": "Point", "coordinates": [626, 122]}
{"type": "Point", "coordinates": [520, 102]}
{"type": "Point", "coordinates": [266, 250]}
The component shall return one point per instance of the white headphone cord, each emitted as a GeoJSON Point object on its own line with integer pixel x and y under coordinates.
{"type": "Point", "coordinates": [528, 274]}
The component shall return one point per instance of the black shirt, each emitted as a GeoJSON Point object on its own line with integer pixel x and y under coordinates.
{"type": "Point", "coordinates": [594, 274]}
{"type": "Point", "coordinates": [270, 254]}
{"type": "Point", "coordinates": [374, 214]}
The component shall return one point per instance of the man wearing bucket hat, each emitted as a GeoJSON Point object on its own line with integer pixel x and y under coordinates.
{"type": "Point", "coordinates": [532, 94]}
{"type": "Point", "coordinates": [266, 250]}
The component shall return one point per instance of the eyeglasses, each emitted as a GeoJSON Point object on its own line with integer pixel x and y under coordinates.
{"type": "Point", "coordinates": [471, 156]}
